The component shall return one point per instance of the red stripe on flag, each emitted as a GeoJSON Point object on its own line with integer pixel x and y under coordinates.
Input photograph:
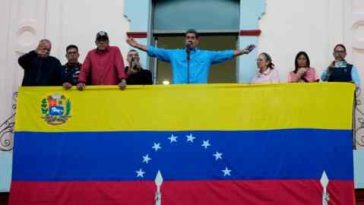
{"type": "Point", "coordinates": [272, 192]}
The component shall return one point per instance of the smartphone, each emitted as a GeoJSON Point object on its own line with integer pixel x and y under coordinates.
{"type": "Point", "coordinates": [340, 64]}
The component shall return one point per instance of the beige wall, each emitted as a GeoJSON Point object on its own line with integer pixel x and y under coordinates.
{"type": "Point", "coordinates": [314, 26]}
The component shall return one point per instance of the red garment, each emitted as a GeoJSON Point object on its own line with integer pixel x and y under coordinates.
{"type": "Point", "coordinates": [104, 67]}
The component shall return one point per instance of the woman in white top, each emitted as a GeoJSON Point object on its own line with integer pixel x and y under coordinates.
{"type": "Point", "coordinates": [266, 72]}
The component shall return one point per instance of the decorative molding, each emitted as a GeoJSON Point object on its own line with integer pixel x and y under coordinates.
{"type": "Point", "coordinates": [27, 35]}
{"type": "Point", "coordinates": [358, 30]}
{"type": "Point", "coordinates": [256, 32]}
{"type": "Point", "coordinates": [137, 34]}
{"type": "Point", "coordinates": [7, 129]}
{"type": "Point", "coordinates": [358, 120]}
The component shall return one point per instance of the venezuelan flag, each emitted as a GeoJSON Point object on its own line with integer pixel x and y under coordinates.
{"type": "Point", "coordinates": [195, 145]}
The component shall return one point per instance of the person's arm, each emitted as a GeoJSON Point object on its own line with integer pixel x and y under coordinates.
{"type": "Point", "coordinates": [67, 78]}
{"type": "Point", "coordinates": [119, 64]}
{"type": "Point", "coordinates": [84, 73]}
{"type": "Point", "coordinates": [293, 77]}
{"type": "Point", "coordinates": [85, 70]}
{"type": "Point", "coordinates": [59, 73]}
{"type": "Point", "coordinates": [305, 74]}
{"type": "Point", "coordinates": [26, 59]}
{"type": "Point", "coordinates": [311, 75]}
{"type": "Point", "coordinates": [355, 76]}
{"type": "Point", "coordinates": [160, 53]}
{"type": "Point", "coordinates": [243, 51]}
{"type": "Point", "coordinates": [220, 56]}
{"type": "Point", "coordinates": [132, 42]}
{"type": "Point", "coordinates": [325, 75]}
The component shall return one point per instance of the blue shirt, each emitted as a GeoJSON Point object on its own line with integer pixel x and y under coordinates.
{"type": "Point", "coordinates": [354, 76]}
{"type": "Point", "coordinates": [200, 62]}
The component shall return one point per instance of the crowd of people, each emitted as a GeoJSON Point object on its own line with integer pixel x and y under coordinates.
{"type": "Point", "coordinates": [104, 65]}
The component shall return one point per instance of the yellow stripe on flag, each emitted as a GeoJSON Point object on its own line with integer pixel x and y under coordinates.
{"type": "Point", "coordinates": [191, 107]}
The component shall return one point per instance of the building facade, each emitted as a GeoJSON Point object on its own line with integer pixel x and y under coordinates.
{"type": "Point", "coordinates": [279, 27]}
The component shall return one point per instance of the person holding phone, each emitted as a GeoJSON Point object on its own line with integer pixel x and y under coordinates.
{"type": "Point", "coordinates": [41, 69]}
{"type": "Point", "coordinates": [303, 72]}
{"type": "Point", "coordinates": [340, 70]}
{"type": "Point", "coordinates": [190, 64]}
{"type": "Point", "coordinates": [136, 75]}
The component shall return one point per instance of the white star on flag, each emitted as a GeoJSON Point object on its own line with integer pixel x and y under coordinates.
{"type": "Point", "coordinates": [146, 159]}
{"type": "Point", "coordinates": [217, 155]}
{"type": "Point", "coordinates": [172, 138]}
{"type": "Point", "coordinates": [226, 171]}
{"type": "Point", "coordinates": [206, 144]}
{"type": "Point", "coordinates": [157, 146]}
{"type": "Point", "coordinates": [140, 173]}
{"type": "Point", "coordinates": [190, 138]}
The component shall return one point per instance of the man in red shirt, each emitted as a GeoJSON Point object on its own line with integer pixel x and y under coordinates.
{"type": "Point", "coordinates": [104, 65]}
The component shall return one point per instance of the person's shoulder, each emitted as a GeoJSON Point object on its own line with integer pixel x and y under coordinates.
{"type": "Point", "coordinates": [92, 51]}
{"type": "Point", "coordinates": [351, 65]}
{"type": "Point", "coordinates": [54, 59]}
{"type": "Point", "coordinates": [145, 71]}
{"type": "Point", "coordinates": [114, 48]}
{"type": "Point", "coordinates": [312, 69]}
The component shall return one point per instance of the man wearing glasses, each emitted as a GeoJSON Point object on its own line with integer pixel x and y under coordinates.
{"type": "Point", "coordinates": [340, 70]}
{"type": "Point", "coordinates": [41, 69]}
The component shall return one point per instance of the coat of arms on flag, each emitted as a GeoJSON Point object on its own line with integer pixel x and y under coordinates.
{"type": "Point", "coordinates": [56, 109]}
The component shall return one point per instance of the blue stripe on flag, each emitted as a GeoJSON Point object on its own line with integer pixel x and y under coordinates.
{"type": "Point", "coordinates": [207, 155]}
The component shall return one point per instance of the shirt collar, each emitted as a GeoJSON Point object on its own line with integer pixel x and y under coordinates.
{"type": "Point", "coordinates": [103, 51]}
{"type": "Point", "coordinates": [73, 64]}
{"type": "Point", "coordinates": [266, 72]}
{"type": "Point", "coordinates": [193, 50]}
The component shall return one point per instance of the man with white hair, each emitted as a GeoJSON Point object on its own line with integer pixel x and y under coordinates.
{"type": "Point", "coordinates": [41, 69]}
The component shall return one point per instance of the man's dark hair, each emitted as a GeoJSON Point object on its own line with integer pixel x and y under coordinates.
{"type": "Point", "coordinates": [71, 46]}
{"type": "Point", "coordinates": [340, 45]}
{"type": "Point", "coordinates": [192, 31]}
